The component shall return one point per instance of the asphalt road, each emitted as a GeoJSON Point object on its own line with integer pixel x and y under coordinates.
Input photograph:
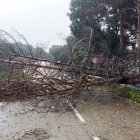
{"type": "Point", "coordinates": [107, 116]}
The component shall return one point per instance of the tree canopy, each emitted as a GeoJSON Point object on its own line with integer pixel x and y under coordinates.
{"type": "Point", "coordinates": [114, 23]}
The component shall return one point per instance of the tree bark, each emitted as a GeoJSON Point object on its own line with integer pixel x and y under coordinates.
{"type": "Point", "coordinates": [121, 32]}
{"type": "Point", "coordinates": [138, 10]}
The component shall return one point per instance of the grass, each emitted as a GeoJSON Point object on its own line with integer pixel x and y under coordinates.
{"type": "Point", "coordinates": [132, 94]}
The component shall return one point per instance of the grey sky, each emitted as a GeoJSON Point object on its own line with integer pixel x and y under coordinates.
{"type": "Point", "coordinates": [38, 20]}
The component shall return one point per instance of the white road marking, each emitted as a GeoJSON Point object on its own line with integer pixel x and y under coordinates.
{"type": "Point", "coordinates": [1, 104]}
{"type": "Point", "coordinates": [80, 117]}
{"type": "Point", "coordinates": [77, 113]}
{"type": "Point", "coordinates": [96, 138]}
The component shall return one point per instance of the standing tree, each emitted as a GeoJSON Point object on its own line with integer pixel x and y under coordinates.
{"type": "Point", "coordinates": [114, 23]}
{"type": "Point", "coordinates": [138, 12]}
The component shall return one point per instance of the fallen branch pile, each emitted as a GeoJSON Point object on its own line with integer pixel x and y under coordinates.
{"type": "Point", "coordinates": [27, 80]}
{"type": "Point", "coordinates": [27, 76]}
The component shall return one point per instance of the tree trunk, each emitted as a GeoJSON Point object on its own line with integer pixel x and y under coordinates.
{"type": "Point", "coordinates": [138, 10]}
{"type": "Point", "coordinates": [121, 32]}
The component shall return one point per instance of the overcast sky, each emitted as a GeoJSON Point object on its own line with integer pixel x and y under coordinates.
{"type": "Point", "coordinates": [39, 20]}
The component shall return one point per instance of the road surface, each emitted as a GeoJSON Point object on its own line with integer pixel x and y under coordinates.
{"type": "Point", "coordinates": [106, 116]}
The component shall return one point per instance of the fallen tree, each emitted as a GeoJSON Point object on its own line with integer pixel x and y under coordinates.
{"type": "Point", "coordinates": [29, 76]}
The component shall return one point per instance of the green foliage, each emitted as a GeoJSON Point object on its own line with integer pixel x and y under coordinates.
{"type": "Point", "coordinates": [104, 17]}
{"type": "Point", "coordinates": [79, 53]}
{"type": "Point", "coordinates": [22, 50]}
{"type": "Point", "coordinates": [3, 73]}
{"type": "Point", "coordinates": [58, 53]}
{"type": "Point", "coordinates": [126, 92]}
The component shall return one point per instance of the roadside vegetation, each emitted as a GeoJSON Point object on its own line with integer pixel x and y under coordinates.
{"type": "Point", "coordinates": [132, 94]}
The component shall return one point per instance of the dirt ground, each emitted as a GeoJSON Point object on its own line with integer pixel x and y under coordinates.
{"type": "Point", "coordinates": [106, 116]}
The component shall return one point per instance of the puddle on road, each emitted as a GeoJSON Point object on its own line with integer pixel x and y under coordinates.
{"type": "Point", "coordinates": [27, 120]}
